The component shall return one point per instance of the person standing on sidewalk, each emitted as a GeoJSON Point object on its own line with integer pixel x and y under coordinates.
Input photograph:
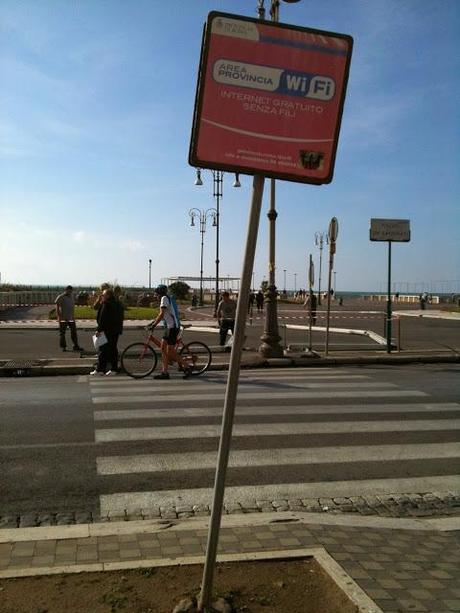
{"type": "Point", "coordinates": [65, 311]}
{"type": "Point", "coordinates": [109, 322]}
{"type": "Point", "coordinates": [226, 310]}
{"type": "Point", "coordinates": [260, 301]}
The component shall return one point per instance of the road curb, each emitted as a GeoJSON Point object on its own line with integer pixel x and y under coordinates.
{"type": "Point", "coordinates": [50, 369]}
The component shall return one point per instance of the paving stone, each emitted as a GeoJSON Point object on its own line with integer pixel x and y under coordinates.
{"type": "Point", "coordinates": [108, 547]}
{"type": "Point", "coordinates": [251, 545]}
{"type": "Point", "coordinates": [42, 560]}
{"type": "Point", "coordinates": [420, 594]}
{"type": "Point", "coordinates": [189, 540]}
{"type": "Point", "coordinates": [411, 605]}
{"type": "Point", "coordinates": [28, 521]}
{"type": "Point", "coordinates": [452, 605]}
{"type": "Point", "coordinates": [440, 574]}
{"type": "Point", "coordinates": [289, 542]}
{"type": "Point", "coordinates": [378, 593]}
{"type": "Point", "coordinates": [171, 551]}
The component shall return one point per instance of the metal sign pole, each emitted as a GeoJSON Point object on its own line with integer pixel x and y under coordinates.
{"type": "Point", "coordinates": [230, 394]}
{"type": "Point", "coordinates": [389, 314]}
{"type": "Point", "coordinates": [311, 280]}
{"type": "Point", "coordinates": [333, 231]}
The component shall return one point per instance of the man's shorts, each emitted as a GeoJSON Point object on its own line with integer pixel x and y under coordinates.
{"type": "Point", "coordinates": [170, 335]}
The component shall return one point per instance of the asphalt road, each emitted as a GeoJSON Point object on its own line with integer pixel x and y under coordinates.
{"type": "Point", "coordinates": [72, 444]}
{"type": "Point", "coordinates": [416, 333]}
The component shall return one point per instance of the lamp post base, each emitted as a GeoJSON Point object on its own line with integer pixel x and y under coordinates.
{"type": "Point", "coordinates": [270, 347]}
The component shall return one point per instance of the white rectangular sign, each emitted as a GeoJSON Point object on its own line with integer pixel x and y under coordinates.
{"type": "Point", "coordinates": [390, 230]}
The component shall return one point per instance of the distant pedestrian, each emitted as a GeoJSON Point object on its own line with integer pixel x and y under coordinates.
{"type": "Point", "coordinates": [260, 301]}
{"type": "Point", "coordinates": [311, 304]}
{"type": "Point", "coordinates": [252, 298]}
{"type": "Point", "coordinates": [226, 311]}
{"type": "Point", "coordinates": [422, 299]}
{"type": "Point", "coordinates": [65, 311]}
{"type": "Point", "coordinates": [109, 322]}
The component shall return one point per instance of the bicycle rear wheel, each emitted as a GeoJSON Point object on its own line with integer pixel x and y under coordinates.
{"type": "Point", "coordinates": [196, 356]}
{"type": "Point", "coordinates": [139, 360]}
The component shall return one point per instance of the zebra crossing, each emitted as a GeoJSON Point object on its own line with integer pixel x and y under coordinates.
{"type": "Point", "coordinates": [298, 433]}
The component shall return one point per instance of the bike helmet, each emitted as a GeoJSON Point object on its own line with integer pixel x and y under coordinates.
{"type": "Point", "coordinates": [161, 290]}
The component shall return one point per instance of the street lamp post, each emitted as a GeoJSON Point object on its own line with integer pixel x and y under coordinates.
{"type": "Point", "coordinates": [284, 281]}
{"type": "Point", "coordinates": [218, 184]}
{"type": "Point", "coordinates": [320, 239]}
{"type": "Point", "coordinates": [295, 283]}
{"type": "Point", "coordinates": [270, 347]}
{"type": "Point", "coordinates": [202, 216]}
{"type": "Point", "coordinates": [150, 274]}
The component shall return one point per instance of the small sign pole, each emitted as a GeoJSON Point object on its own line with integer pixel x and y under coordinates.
{"type": "Point", "coordinates": [311, 281]}
{"type": "Point", "coordinates": [389, 314]}
{"type": "Point", "coordinates": [230, 394]}
{"type": "Point", "coordinates": [333, 232]}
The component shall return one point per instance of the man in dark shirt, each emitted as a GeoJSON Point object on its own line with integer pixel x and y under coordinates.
{"type": "Point", "coordinates": [109, 321]}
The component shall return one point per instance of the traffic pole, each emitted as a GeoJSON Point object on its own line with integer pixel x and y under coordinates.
{"type": "Point", "coordinates": [230, 395]}
{"type": "Point", "coordinates": [389, 314]}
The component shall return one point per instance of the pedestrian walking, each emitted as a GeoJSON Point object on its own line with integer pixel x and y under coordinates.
{"type": "Point", "coordinates": [311, 304]}
{"type": "Point", "coordinates": [109, 322]}
{"type": "Point", "coordinates": [226, 311]}
{"type": "Point", "coordinates": [252, 298]}
{"type": "Point", "coordinates": [423, 299]}
{"type": "Point", "coordinates": [260, 301]}
{"type": "Point", "coordinates": [65, 311]}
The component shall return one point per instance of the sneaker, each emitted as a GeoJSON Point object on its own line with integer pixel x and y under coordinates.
{"type": "Point", "coordinates": [77, 348]}
{"type": "Point", "coordinates": [111, 373]}
{"type": "Point", "coordinates": [96, 372]}
{"type": "Point", "coordinates": [163, 375]}
{"type": "Point", "coordinates": [64, 349]}
{"type": "Point", "coordinates": [187, 372]}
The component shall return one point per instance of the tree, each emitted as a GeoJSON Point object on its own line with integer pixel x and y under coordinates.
{"type": "Point", "coordinates": [179, 289]}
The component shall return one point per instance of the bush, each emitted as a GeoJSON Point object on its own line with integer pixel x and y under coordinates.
{"type": "Point", "coordinates": [179, 289]}
{"type": "Point", "coordinates": [145, 299]}
{"type": "Point", "coordinates": [82, 299]}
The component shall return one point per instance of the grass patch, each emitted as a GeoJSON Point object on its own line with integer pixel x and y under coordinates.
{"type": "Point", "coordinates": [87, 312]}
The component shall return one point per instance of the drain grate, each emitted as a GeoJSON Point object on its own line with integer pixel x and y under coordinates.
{"type": "Point", "coordinates": [18, 368]}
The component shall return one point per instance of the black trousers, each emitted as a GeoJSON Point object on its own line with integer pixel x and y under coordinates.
{"type": "Point", "coordinates": [73, 333]}
{"type": "Point", "coordinates": [225, 326]}
{"type": "Point", "coordinates": [108, 354]}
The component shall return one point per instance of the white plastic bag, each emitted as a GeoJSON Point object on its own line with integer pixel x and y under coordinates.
{"type": "Point", "coordinates": [100, 340]}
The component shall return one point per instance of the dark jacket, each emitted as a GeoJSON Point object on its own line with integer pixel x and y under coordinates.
{"type": "Point", "coordinates": [110, 317]}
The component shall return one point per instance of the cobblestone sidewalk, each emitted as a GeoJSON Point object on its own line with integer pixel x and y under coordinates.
{"type": "Point", "coordinates": [402, 564]}
{"type": "Point", "coordinates": [435, 504]}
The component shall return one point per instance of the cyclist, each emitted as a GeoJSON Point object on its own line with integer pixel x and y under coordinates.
{"type": "Point", "coordinates": [170, 317]}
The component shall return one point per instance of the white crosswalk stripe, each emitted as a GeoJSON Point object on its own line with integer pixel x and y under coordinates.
{"type": "Point", "coordinates": [281, 410]}
{"type": "Point", "coordinates": [166, 437]}
{"type": "Point", "coordinates": [210, 431]}
{"type": "Point", "coordinates": [164, 462]}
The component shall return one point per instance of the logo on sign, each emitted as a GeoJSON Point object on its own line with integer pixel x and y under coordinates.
{"type": "Point", "coordinates": [276, 80]}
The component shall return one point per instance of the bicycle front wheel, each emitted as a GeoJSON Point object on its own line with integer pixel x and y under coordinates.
{"type": "Point", "coordinates": [139, 360]}
{"type": "Point", "coordinates": [196, 356]}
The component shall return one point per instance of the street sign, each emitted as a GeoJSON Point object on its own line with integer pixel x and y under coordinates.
{"type": "Point", "coordinates": [269, 98]}
{"type": "Point", "coordinates": [397, 230]}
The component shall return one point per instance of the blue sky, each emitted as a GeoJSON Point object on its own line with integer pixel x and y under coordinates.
{"type": "Point", "coordinates": [96, 102]}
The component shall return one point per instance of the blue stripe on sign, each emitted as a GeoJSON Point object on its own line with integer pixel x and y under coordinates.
{"type": "Point", "coordinates": [305, 46]}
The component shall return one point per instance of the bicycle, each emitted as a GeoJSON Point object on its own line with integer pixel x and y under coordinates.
{"type": "Point", "coordinates": [139, 360]}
